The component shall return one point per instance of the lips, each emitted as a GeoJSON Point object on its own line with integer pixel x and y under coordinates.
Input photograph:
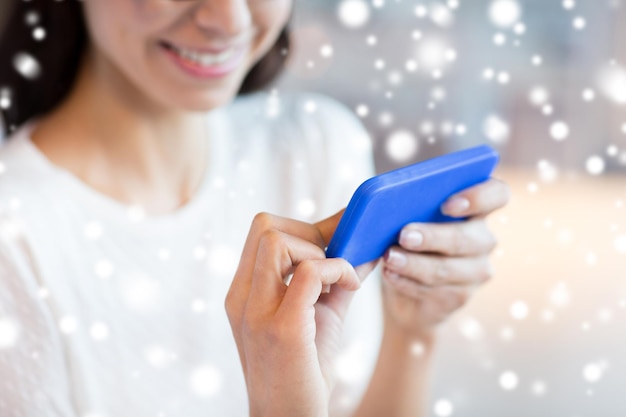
{"type": "Point", "coordinates": [202, 57]}
{"type": "Point", "coordinates": [206, 63]}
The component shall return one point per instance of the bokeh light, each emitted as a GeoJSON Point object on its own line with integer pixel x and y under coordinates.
{"type": "Point", "coordinates": [27, 65]}
{"type": "Point", "coordinates": [559, 130]}
{"type": "Point", "coordinates": [505, 13]}
{"type": "Point", "coordinates": [402, 145]}
{"type": "Point", "coordinates": [354, 13]}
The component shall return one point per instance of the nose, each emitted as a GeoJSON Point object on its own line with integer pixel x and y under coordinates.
{"type": "Point", "coordinates": [227, 18]}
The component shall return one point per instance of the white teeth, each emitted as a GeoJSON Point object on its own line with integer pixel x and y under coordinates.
{"type": "Point", "coordinates": [203, 58]}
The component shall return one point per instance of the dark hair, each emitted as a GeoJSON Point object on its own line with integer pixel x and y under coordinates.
{"type": "Point", "coordinates": [59, 57]}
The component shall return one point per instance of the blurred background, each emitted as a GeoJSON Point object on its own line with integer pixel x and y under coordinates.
{"type": "Point", "coordinates": [543, 82]}
{"type": "Point", "coordinates": [538, 78]}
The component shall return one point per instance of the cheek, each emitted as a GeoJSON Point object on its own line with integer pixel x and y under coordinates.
{"type": "Point", "coordinates": [118, 26]}
{"type": "Point", "coordinates": [149, 15]}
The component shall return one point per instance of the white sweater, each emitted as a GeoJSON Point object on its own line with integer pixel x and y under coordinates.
{"type": "Point", "coordinates": [105, 311]}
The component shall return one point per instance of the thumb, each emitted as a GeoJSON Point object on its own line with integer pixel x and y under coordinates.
{"type": "Point", "coordinates": [328, 225]}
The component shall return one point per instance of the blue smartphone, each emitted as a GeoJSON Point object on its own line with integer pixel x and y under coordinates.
{"type": "Point", "coordinates": [384, 204]}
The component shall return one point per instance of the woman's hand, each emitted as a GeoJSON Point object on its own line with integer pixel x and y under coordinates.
{"type": "Point", "coordinates": [288, 335]}
{"type": "Point", "coordinates": [437, 266]}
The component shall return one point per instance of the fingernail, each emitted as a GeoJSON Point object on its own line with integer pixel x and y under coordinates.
{"type": "Point", "coordinates": [396, 258]}
{"type": "Point", "coordinates": [411, 239]}
{"type": "Point", "coordinates": [456, 206]}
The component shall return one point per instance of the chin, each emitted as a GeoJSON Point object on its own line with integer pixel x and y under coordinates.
{"type": "Point", "coordinates": [205, 101]}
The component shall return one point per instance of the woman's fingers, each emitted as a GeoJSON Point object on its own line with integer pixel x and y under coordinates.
{"type": "Point", "coordinates": [285, 247]}
{"type": "Point", "coordinates": [479, 200]}
{"type": "Point", "coordinates": [436, 267]}
{"type": "Point", "coordinates": [263, 222]}
{"type": "Point", "coordinates": [435, 270]}
{"type": "Point", "coordinates": [466, 238]}
{"type": "Point", "coordinates": [279, 254]}
{"type": "Point", "coordinates": [306, 286]}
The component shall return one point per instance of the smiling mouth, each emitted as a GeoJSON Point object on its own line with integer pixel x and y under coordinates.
{"type": "Point", "coordinates": [202, 58]}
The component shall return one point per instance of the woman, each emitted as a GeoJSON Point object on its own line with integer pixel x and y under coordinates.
{"type": "Point", "coordinates": [126, 195]}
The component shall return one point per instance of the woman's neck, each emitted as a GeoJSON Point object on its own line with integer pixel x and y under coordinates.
{"type": "Point", "coordinates": [118, 141]}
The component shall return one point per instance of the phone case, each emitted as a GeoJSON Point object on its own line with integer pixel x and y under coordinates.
{"type": "Point", "coordinates": [384, 204]}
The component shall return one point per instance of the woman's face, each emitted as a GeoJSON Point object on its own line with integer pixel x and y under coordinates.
{"type": "Point", "coordinates": [185, 54]}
